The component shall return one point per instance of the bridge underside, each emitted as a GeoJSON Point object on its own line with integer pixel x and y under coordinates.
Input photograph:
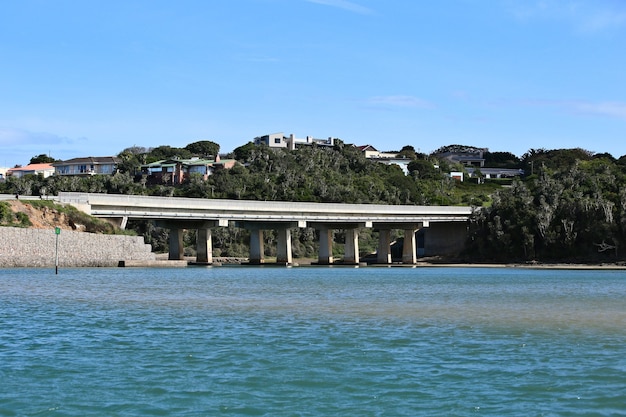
{"type": "Point", "coordinates": [444, 239]}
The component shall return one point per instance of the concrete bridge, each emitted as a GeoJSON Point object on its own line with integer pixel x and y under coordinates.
{"type": "Point", "coordinates": [445, 226]}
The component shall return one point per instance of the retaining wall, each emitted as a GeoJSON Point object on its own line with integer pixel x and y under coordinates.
{"type": "Point", "coordinates": [36, 248]}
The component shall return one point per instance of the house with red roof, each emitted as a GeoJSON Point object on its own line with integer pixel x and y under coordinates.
{"type": "Point", "coordinates": [33, 169]}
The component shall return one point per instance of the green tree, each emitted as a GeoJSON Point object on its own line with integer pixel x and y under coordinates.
{"type": "Point", "coordinates": [167, 152]}
{"type": "Point", "coordinates": [42, 159]}
{"type": "Point", "coordinates": [203, 148]}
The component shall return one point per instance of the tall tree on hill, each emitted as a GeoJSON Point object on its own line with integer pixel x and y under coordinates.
{"type": "Point", "coordinates": [203, 148]}
{"type": "Point", "coordinates": [42, 159]}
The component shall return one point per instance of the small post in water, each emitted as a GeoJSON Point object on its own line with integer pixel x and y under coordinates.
{"type": "Point", "coordinates": [57, 231]}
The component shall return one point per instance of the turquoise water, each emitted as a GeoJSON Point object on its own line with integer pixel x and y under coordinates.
{"type": "Point", "coordinates": [312, 341]}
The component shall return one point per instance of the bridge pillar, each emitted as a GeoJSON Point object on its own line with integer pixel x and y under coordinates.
{"type": "Point", "coordinates": [176, 245]}
{"type": "Point", "coordinates": [383, 255]}
{"type": "Point", "coordinates": [351, 255]}
{"type": "Point", "coordinates": [409, 248]}
{"type": "Point", "coordinates": [257, 249]}
{"type": "Point", "coordinates": [204, 246]}
{"type": "Point", "coordinates": [120, 222]}
{"type": "Point", "coordinates": [325, 256]}
{"type": "Point", "coordinates": [283, 250]}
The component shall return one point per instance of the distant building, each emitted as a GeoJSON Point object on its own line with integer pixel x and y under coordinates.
{"type": "Point", "coordinates": [279, 140]}
{"type": "Point", "coordinates": [371, 152]}
{"type": "Point", "coordinates": [176, 171]}
{"type": "Point", "coordinates": [491, 173]}
{"type": "Point", "coordinates": [33, 169]}
{"type": "Point", "coordinates": [98, 165]}
{"type": "Point", "coordinates": [388, 158]}
{"type": "Point", "coordinates": [456, 175]}
{"type": "Point", "coordinates": [468, 156]}
{"type": "Point", "coordinates": [3, 173]}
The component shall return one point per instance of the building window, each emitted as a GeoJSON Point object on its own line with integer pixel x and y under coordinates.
{"type": "Point", "coordinates": [276, 140]}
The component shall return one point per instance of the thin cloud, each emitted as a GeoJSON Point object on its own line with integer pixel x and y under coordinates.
{"type": "Point", "coordinates": [345, 5]}
{"type": "Point", "coordinates": [586, 16]}
{"type": "Point", "coordinates": [12, 136]}
{"type": "Point", "coordinates": [613, 109]}
{"type": "Point", "coordinates": [608, 108]}
{"type": "Point", "coordinates": [399, 101]}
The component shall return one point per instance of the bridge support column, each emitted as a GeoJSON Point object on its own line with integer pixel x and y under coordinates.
{"type": "Point", "coordinates": [351, 255]}
{"type": "Point", "coordinates": [120, 222]}
{"type": "Point", "coordinates": [257, 248]}
{"type": "Point", "coordinates": [176, 245]}
{"type": "Point", "coordinates": [409, 248]}
{"type": "Point", "coordinates": [383, 255]}
{"type": "Point", "coordinates": [283, 250]}
{"type": "Point", "coordinates": [204, 246]}
{"type": "Point", "coordinates": [325, 256]}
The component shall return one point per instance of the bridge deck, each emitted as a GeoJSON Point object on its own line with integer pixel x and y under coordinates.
{"type": "Point", "coordinates": [145, 207]}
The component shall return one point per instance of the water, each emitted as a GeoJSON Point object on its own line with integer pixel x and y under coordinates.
{"type": "Point", "coordinates": [312, 342]}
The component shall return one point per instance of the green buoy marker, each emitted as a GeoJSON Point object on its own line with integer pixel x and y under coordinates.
{"type": "Point", "coordinates": [57, 231]}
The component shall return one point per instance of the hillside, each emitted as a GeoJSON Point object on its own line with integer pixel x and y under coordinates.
{"type": "Point", "coordinates": [44, 214]}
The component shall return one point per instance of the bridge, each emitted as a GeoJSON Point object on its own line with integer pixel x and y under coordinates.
{"type": "Point", "coordinates": [446, 225]}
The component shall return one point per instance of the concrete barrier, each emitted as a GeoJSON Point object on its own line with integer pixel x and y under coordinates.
{"type": "Point", "coordinates": [37, 247]}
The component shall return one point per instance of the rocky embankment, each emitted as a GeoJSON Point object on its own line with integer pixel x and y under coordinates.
{"type": "Point", "coordinates": [36, 245]}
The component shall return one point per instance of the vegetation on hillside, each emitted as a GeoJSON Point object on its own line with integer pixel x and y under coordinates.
{"type": "Point", "coordinates": [570, 206]}
{"type": "Point", "coordinates": [569, 210]}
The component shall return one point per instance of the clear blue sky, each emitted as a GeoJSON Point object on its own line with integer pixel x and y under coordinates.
{"type": "Point", "coordinates": [80, 78]}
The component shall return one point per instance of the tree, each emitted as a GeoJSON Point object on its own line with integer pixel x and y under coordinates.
{"type": "Point", "coordinates": [407, 152]}
{"type": "Point", "coordinates": [502, 160]}
{"type": "Point", "coordinates": [244, 153]}
{"type": "Point", "coordinates": [42, 159]}
{"type": "Point", "coordinates": [423, 169]}
{"type": "Point", "coordinates": [203, 148]}
{"type": "Point", "coordinates": [167, 152]}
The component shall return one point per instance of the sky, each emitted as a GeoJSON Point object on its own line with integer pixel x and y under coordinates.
{"type": "Point", "coordinates": [91, 78]}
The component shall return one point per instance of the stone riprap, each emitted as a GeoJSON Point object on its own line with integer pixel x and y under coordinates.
{"type": "Point", "coordinates": [37, 248]}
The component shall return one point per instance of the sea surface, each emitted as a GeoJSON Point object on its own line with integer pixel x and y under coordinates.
{"type": "Point", "coordinates": [312, 341]}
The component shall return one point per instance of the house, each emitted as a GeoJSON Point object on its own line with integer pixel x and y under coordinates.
{"type": "Point", "coordinates": [371, 152]}
{"type": "Point", "coordinates": [491, 173]}
{"type": "Point", "coordinates": [32, 169]}
{"type": "Point", "coordinates": [176, 171]}
{"type": "Point", "coordinates": [468, 156]}
{"type": "Point", "coordinates": [388, 158]}
{"type": "Point", "coordinates": [103, 165]}
{"type": "Point", "coordinates": [279, 140]}
{"type": "Point", "coordinates": [456, 175]}
{"type": "Point", "coordinates": [3, 173]}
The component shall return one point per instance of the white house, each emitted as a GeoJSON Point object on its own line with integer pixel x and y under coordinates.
{"type": "Point", "coordinates": [91, 165]}
{"type": "Point", "coordinates": [279, 140]}
{"type": "Point", "coordinates": [33, 169]}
